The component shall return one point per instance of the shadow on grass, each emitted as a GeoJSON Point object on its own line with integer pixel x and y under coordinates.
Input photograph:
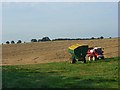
{"type": "Point", "coordinates": [106, 60]}
{"type": "Point", "coordinates": [52, 79]}
{"type": "Point", "coordinates": [90, 83]}
{"type": "Point", "coordinates": [111, 59]}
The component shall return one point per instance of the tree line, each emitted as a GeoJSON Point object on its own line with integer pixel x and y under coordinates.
{"type": "Point", "coordinates": [13, 42]}
{"type": "Point", "coordinates": [48, 39]}
{"type": "Point", "coordinates": [32, 40]}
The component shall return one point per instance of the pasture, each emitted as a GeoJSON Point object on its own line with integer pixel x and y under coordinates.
{"type": "Point", "coordinates": [95, 74]}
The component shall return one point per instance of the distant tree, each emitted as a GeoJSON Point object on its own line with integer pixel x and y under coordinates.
{"type": "Point", "coordinates": [101, 37]}
{"type": "Point", "coordinates": [39, 40]}
{"type": "Point", "coordinates": [78, 38]}
{"type": "Point", "coordinates": [33, 40]}
{"type": "Point", "coordinates": [92, 38]}
{"type": "Point", "coordinates": [45, 39]}
{"type": "Point", "coordinates": [110, 37]}
{"type": "Point", "coordinates": [19, 41]}
{"type": "Point", "coordinates": [7, 42]}
{"type": "Point", "coordinates": [12, 42]}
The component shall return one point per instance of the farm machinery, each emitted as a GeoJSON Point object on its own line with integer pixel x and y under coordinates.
{"type": "Point", "coordinates": [95, 53]}
{"type": "Point", "coordinates": [79, 53]}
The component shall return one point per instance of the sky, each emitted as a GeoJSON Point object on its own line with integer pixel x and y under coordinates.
{"type": "Point", "coordinates": [27, 20]}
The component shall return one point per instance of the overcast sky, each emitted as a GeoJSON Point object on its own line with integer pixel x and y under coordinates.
{"type": "Point", "coordinates": [29, 20]}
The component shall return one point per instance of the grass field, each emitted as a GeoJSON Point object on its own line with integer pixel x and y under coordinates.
{"type": "Point", "coordinates": [97, 74]}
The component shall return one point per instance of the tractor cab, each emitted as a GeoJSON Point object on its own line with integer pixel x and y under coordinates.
{"type": "Point", "coordinates": [95, 53]}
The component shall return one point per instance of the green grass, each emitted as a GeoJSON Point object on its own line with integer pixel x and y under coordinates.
{"type": "Point", "coordinates": [97, 74]}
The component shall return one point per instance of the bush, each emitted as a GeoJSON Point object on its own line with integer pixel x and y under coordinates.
{"type": "Point", "coordinates": [19, 41]}
{"type": "Point", "coordinates": [45, 39]}
{"type": "Point", "coordinates": [101, 37]}
{"type": "Point", "coordinates": [92, 38]}
{"type": "Point", "coordinates": [7, 42]}
{"type": "Point", "coordinates": [12, 42]}
{"type": "Point", "coordinates": [34, 40]}
{"type": "Point", "coordinates": [39, 40]}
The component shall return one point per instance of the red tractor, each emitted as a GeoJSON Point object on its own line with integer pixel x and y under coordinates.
{"type": "Point", "coordinates": [95, 53]}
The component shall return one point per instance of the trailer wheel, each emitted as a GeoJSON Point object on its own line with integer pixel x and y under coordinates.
{"type": "Point", "coordinates": [84, 60]}
{"type": "Point", "coordinates": [73, 60]}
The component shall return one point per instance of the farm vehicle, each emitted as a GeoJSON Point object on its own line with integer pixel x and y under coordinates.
{"type": "Point", "coordinates": [95, 53]}
{"type": "Point", "coordinates": [79, 53]}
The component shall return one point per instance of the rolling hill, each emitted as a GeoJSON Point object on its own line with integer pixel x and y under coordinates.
{"type": "Point", "coordinates": [51, 51]}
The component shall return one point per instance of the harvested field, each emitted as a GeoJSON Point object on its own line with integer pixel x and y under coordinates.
{"type": "Point", "coordinates": [52, 51]}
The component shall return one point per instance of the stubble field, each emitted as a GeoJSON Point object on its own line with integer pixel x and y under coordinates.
{"type": "Point", "coordinates": [52, 51]}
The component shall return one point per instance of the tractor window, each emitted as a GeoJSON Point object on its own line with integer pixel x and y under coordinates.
{"type": "Point", "coordinates": [99, 51]}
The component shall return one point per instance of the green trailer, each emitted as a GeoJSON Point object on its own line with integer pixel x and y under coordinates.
{"type": "Point", "coordinates": [78, 52]}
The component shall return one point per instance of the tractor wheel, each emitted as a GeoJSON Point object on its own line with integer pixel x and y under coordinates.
{"type": "Point", "coordinates": [94, 58]}
{"type": "Point", "coordinates": [89, 58]}
{"type": "Point", "coordinates": [102, 58]}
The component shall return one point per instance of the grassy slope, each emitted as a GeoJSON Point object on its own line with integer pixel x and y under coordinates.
{"type": "Point", "coordinates": [98, 74]}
